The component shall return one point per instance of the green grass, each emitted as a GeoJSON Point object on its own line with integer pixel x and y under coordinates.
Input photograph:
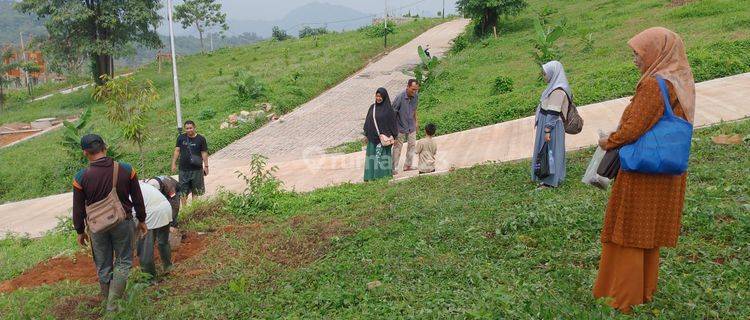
{"type": "Point", "coordinates": [461, 95]}
{"type": "Point", "coordinates": [292, 72]}
{"type": "Point", "coordinates": [476, 243]}
{"type": "Point", "coordinates": [18, 252]}
{"type": "Point", "coordinates": [347, 147]}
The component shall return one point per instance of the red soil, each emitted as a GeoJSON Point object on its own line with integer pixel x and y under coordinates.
{"type": "Point", "coordinates": [81, 266]}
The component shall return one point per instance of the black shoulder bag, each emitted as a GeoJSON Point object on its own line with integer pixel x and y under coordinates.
{"type": "Point", "coordinates": [196, 160]}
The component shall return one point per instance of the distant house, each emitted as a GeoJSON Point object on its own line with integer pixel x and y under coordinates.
{"type": "Point", "coordinates": [16, 75]}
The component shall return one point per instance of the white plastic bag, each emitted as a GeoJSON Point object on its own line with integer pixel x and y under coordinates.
{"type": "Point", "coordinates": [591, 177]}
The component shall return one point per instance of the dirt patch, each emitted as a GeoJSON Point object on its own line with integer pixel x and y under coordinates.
{"type": "Point", "coordinates": [677, 3]}
{"type": "Point", "coordinates": [78, 307]}
{"type": "Point", "coordinates": [78, 268]}
{"type": "Point", "coordinates": [81, 266]}
{"type": "Point", "coordinates": [724, 218]}
{"type": "Point", "coordinates": [307, 242]}
{"type": "Point", "coordinates": [6, 139]}
{"type": "Point", "coordinates": [298, 241]}
{"type": "Point", "coordinates": [201, 212]}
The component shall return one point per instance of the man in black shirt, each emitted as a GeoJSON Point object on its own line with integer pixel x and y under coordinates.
{"type": "Point", "coordinates": [192, 150]}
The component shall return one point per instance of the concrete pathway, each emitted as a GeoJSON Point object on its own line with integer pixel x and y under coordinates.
{"type": "Point", "coordinates": [336, 116]}
{"type": "Point", "coordinates": [717, 100]}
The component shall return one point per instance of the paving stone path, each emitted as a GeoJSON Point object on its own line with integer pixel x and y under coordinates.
{"type": "Point", "coordinates": [336, 116]}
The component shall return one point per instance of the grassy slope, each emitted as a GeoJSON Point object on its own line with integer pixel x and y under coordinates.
{"type": "Point", "coordinates": [487, 247]}
{"type": "Point", "coordinates": [716, 32]}
{"type": "Point", "coordinates": [205, 84]}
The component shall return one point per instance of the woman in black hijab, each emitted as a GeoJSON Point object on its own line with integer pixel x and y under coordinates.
{"type": "Point", "coordinates": [378, 160]}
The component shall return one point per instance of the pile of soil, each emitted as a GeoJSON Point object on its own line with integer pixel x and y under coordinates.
{"type": "Point", "coordinates": [81, 266]}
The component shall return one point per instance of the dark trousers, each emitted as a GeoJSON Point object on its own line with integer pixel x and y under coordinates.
{"type": "Point", "coordinates": [160, 236]}
{"type": "Point", "coordinates": [175, 203]}
{"type": "Point", "coordinates": [118, 240]}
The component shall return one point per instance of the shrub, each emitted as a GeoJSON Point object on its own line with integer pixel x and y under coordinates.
{"type": "Point", "coordinates": [279, 35]}
{"type": "Point", "coordinates": [207, 114]}
{"type": "Point", "coordinates": [309, 32]}
{"type": "Point", "coordinates": [503, 85]}
{"type": "Point", "coordinates": [487, 13]}
{"type": "Point", "coordinates": [247, 86]}
{"type": "Point", "coordinates": [379, 30]}
{"type": "Point", "coordinates": [587, 43]}
{"type": "Point", "coordinates": [261, 192]}
{"type": "Point", "coordinates": [460, 43]}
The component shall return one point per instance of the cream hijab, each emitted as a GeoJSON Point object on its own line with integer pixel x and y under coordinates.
{"type": "Point", "coordinates": [664, 53]}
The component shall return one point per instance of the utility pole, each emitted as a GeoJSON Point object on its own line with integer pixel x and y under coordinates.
{"type": "Point", "coordinates": [443, 12]}
{"type": "Point", "coordinates": [211, 40]}
{"type": "Point", "coordinates": [385, 26]}
{"type": "Point", "coordinates": [23, 59]}
{"type": "Point", "coordinates": [175, 80]}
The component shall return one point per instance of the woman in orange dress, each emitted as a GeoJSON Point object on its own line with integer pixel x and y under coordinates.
{"type": "Point", "coordinates": [644, 210]}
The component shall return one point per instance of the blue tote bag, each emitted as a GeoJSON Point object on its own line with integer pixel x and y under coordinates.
{"type": "Point", "coordinates": [665, 148]}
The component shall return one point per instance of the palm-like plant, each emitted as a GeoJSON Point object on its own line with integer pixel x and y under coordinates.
{"type": "Point", "coordinates": [72, 133]}
{"type": "Point", "coordinates": [423, 71]}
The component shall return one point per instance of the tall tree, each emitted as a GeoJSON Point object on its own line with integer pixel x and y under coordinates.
{"type": "Point", "coordinates": [487, 12]}
{"type": "Point", "coordinates": [64, 53]}
{"type": "Point", "coordinates": [202, 14]}
{"type": "Point", "coordinates": [104, 27]}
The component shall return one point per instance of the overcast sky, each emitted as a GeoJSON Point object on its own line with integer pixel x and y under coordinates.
{"type": "Point", "coordinates": [276, 9]}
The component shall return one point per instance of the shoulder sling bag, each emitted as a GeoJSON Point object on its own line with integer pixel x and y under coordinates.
{"type": "Point", "coordinates": [195, 159]}
{"type": "Point", "coordinates": [108, 212]}
{"type": "Point", "coordinates": [385, 141]}
{"type": "Point", "coordinates": [665, 148]}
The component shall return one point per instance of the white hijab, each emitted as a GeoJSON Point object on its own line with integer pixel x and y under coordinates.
{"type": "Point", "coordinates": [557, 80]}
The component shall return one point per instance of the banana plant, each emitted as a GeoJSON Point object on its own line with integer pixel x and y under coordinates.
{"type": "Point", "coordinates": [72, 133]}
{"type": "Point", "coordinates": [545, 42]}
{"type": "Point", "coordinates": [423, 71]}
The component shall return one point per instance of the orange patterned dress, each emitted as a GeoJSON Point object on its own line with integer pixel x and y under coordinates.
{"type": "Point", "coordinates": [644, 210]}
